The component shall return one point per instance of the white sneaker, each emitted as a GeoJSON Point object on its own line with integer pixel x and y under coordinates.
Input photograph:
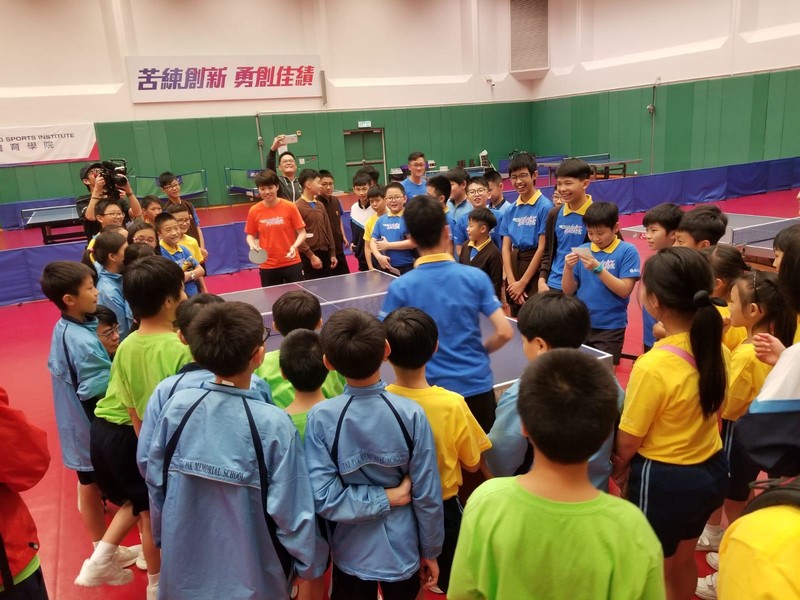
{"type": "Point", "coordinates": [125, 556]}
{"type": "Point", "coordinates": [707, 587]}
{"type": "Point", "coordinates": [92, 574]}
{"type": "Point", "coordinates": [141, 562]}
{"type": "Point", "coordinates": [152, 591]}
{"type": "Point", "coordinates": [709, 541]}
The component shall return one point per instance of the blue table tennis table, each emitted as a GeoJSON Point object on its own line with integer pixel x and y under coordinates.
{"type": "Point", "coordinates": [753, 234]}
{"type": "Point", "coordinates": [366, 291]}
{"type": "Point", "coordinates": [602, 165]}
{"type": "Point", "coordinates": [54, 217]}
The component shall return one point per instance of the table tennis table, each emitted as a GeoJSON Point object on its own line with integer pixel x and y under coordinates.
{"type": "Point", "coordinates": [753, 234]}
{"type": "Point", "coordinates": [602, 165]}
{"type": "Point", "coordinates": [366, 291]}
{"type": "Point", "coordinates": [54, 217]}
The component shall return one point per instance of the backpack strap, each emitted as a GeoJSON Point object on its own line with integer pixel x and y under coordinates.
{"type": "Point", "coordinates": [172, 444]}
{"type": "Point", "coordinates": [777, 492]}
{"type": "Point", "coordinates": [679, 352]}
{"type": "Point", "coordinates": [175, 386]}
{"type": "Point", "coordinates": [283, 555]}
{"type": "Point", "coordinates": [73, 373]}
{"type": "Point", "coordinates": [406, 435]}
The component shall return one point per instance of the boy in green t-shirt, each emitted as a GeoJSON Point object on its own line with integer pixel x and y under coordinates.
{"type": "Point", "coordinates": [153, 287]}
{"type": "Point", "coordinates": [550, 533]}
{"type": "Point", "coordinates": [301, 364]}
{"type": "Point", "coordinates": [294, 310]}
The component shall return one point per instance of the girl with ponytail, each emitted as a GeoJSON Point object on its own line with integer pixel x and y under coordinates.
{"type": "Point", "coordinates": [668, 445]}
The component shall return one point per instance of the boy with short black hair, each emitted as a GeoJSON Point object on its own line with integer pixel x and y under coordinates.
{"type": "Point", "coordinates": [523, 231]}
{"type": "Point", "coordinates": [372, 173]}
{"type": "Point", "coordinates": [184, 219]}
{"type": "Point", "coordinates": [171, 186]}
{"type": "Point", "coordinates": [254, 484]}
{"type": "Point", "coordinates": [480, 251]}
{"type": "Point", "coordinates": [169, 232]}
{"type": "Point", "coordinates": [413, 338]}
{"type": "Point", "coordinates": [701, 227]}
{"type": "Point", "coordinates": [318, 250]}
{"type": "Point", "coordinates": [79, 370]}
{"type": "Point", "coordinates": [294, 310]}
{"type": "Point", "coordinates": [190, 375]}
{"type": "Point", "coordinates": [151, 208]}
{"type": "Point", "coordinates": [153, 286]}
{"type": "Point", "coordinates": [377, 201]}
{"type": "Point", "coordinates": [333, 207]}
{"type": "Point", "coordinates": [564, 228]}
{"type": "Point", "coordinates": [546, 321]}
{"type": "Point", "coordinates": [301, 364]}
{"type": "Point", "coordinates": [660, 223]}
{"type": "Point", "coordinates": [414, 184]}
{"type": "Point", "coordinates": [568, 407]}
{"type": "Point", "coordinates": [390, 245]}
{"type": "Point", "coordinates": [360, 213]}
{"type": "Point", "coordinates": [496, 199]}
{"type": "Point", "coordinates": [608, 271]}
{"type": "Point", "coordinates": [454, 296]}
{"type": "Point", "coordinates": [382, 532]}
{"type": "Point", "coordinates": [457, 203]}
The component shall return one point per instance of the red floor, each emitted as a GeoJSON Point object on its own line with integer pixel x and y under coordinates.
{"type": "Point", "coordinates": [53, 502]}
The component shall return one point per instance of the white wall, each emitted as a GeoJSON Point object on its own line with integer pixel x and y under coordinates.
{"type": "Point", "coordinates": [64, 60]}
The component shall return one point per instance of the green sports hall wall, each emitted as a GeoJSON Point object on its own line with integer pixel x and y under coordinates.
{"type": "Point", "coordinates": [698, 124]}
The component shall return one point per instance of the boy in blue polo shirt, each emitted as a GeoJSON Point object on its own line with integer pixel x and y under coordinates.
{"type": "Point", "coordinates": [497, 201]}
{"type": "Point", "coordinates": [564, 228]}
{"type": "Point", "coordinates": [390, 245]}
{"type": "Point", "coordinates": [661, 224]}
{"type": "Point", "coordinates": [457, 203]}
{"type": "Point", "coordinates": [455, 296]}
{"type": "Point", "coordinates": [169, 231]}
{"type": "Point", "coordinates": [605, 277]}
{"type": "Point", "coordinates": [522, 228]}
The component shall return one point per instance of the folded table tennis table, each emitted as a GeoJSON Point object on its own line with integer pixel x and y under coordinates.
{"type": "Point", "coordinates": [54, 217]}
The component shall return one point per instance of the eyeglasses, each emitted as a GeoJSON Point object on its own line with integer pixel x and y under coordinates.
{"type": "Point", "coordinates": [174, 184]}
{"type": "Point", "coordinates": [755, 286]}
{"type": "Point", "coordinates": [477, 192]}
{"type": "Point", "coordinates": [265, 335]}
{"type": "Point", "coordinates": [94, 171]}
{"type": "Point", "coordinates": [110, 333]}
{"type": "Point", "coordinates": [184, 221]}
{"type": "Point", "coordinates": [522, 177]}
{"type": "Point", "coordinates": [113, 215]}
{"type": "Point", "coordinates": [144, 240]}
{"type": "Point", "coordinates": [394, 197]}
{"type": "Point", "coordinates": [416, 164]}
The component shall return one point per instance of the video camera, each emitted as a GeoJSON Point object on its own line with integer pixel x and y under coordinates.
{"type": "Point", "coordinates": [114, 173]}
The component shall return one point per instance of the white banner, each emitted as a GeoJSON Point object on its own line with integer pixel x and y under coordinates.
{"type": "Point", "coordinates": [187, 79]}
{"type": "Point", "coordinates": [47, 143]}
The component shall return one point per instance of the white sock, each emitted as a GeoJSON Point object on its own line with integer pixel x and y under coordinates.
{"type": "Point", "coordinates": [94, 545]}
{"type": "Point", "coordinates": [152, 579]}
{"type": "Point", "coordinates": [104, 552]}
{"type": "Point", "coordinates": [714, 529]}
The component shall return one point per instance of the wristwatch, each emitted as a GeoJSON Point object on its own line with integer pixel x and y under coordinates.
{"type": "Point", "coordinates": [598, 269]}
{"type": "Point", "coordinates": [192, 275]}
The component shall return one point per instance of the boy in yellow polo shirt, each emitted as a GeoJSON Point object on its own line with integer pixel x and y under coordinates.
{"type": "Point", "coordinates": [413, 338]}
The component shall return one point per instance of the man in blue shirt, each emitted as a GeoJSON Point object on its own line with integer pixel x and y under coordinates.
{"type": "Point", "coordinates": [414, 184]}
{"type": "Point", "coordinates": [455, 296]}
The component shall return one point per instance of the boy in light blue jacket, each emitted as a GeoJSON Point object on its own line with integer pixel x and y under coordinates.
{"type": "Point", "coordinates": [231, 503]}
{"type": "Point", "coordinates": [372, 463]}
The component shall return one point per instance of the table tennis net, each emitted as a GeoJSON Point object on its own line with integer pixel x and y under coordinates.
{"type": "Point", "coordinates": [760, 232]}
{"type": "Point", "coordinates": [371, 304]}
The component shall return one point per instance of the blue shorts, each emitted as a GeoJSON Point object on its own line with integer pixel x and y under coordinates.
{"type": "Point", "coordinates": [743, 471]}
{"type": "Point", "coordinates": [678, 499]}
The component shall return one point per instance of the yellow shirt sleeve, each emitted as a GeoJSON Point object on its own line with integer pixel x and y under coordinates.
{"type": "Point", "coordinates": [369, 227]}
{"type": "Point", "coordinates": [643, 400]}
{"type": "Point", "coordinates": [745, 378]}
{"type": "Point", "coordinates": [470, 439]}
{"type": "Point", "coordinates": [193, 247]}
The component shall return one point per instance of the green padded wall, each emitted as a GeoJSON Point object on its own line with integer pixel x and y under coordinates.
{"type": "Point", "coordinates": [698, 124]}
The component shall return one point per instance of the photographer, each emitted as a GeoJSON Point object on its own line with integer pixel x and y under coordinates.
{"type": "Point", "coordinates": [94, 178]}
{"type": "Point", "coordinates": [290, 188]}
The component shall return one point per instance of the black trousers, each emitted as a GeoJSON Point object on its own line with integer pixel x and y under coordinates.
{"type": "Point", "coordinates": [290, 274]}
{"type": "Point", "coordinates": [342, 268]}
{"type": "Point", "coordinates": [350, 587]}
{"type": "Point", "coordinates": [483, 407]}
{"type": "Point", "coordinates": [312, 273]}
{"type": "Point", "coordinates": [32, 588]}
{"type": "Point", "coordinates": [452, 525]}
